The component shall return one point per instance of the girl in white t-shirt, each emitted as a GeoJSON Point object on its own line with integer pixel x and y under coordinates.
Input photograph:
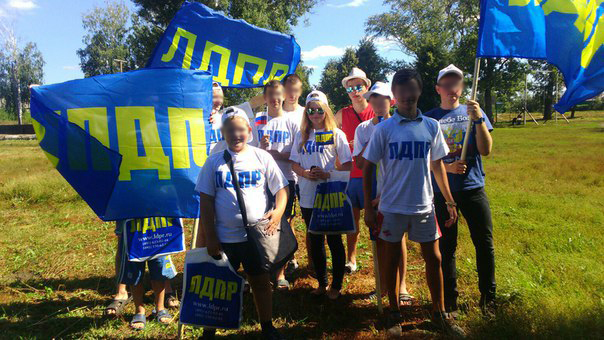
{"type": "Point", "coordinates": [221, 219]}
{"type": "Point", "coordinates": [312, 162]}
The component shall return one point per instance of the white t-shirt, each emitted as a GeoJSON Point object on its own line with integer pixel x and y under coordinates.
{"type": "Point", "coordinates": [255, 170]}
{"type": "Point", "coordinates": [296, 115]}
{"type": "Point", "coordinates": [281, 131]}
{"type": "Point", "coordinates": [323, 156]}
{"type": "Point", "coordinates": [219, 144]}
{"type": "Point", "coordinates": [405, 148]}
{"type": "Point", "coordinates": [362, 136]}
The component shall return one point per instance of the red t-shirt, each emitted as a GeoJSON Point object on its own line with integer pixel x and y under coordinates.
{"type": "Point", "coordinates": [350, 121]}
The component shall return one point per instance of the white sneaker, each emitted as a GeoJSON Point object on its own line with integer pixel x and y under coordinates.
{"type": "Point", "coordinates": [350, 267]}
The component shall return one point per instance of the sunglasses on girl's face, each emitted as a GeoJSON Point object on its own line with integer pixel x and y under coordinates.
{"type": "Point", "coordinates": [311, 112]}
{"type": "Point", "coordinates": [357, 88]}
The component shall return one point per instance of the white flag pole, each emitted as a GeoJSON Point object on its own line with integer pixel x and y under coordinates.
{"type": "Point", "coordinates": [464, 150]}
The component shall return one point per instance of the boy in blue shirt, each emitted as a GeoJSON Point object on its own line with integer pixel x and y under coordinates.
{"type": "Point", "coordinates": [408, 146]}
{"type": "Point", "coordinates": [466, 180]}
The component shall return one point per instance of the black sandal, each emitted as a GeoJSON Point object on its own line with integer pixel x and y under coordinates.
{"type": "Point", "coordinates": [118, 306]}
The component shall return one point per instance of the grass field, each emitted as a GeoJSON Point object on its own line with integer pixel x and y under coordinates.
{"type": "Point", "coordinates": [545, 183]}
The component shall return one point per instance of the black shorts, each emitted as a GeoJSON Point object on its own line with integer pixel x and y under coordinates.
{"type": "Point", "coordinates": [246, 254]}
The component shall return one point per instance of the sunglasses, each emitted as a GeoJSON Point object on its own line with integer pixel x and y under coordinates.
{"type": "Point", "coordinates": [311, 112]}
{"type": "Point", "coordinates": [357, 88]}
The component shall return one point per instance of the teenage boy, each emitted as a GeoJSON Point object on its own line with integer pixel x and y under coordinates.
{"type": "Point", "coordinates": [293, 91]}
{"type": "Point", "coordinates": [380, 98]}
{"type": "Point", "coordinates": [347, 119]}
{"type": "Point", "coordinates": [220, 216]}
{"type": "Point", "coordinates": [466, 181]}
{"type": "Point", "coordinates": [275, 134]}
{"type": "Point", "coordinates": [407, 146]}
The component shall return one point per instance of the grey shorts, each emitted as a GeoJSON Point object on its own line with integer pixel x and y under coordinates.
{"type": "Point", "coordinates": [421, 228]}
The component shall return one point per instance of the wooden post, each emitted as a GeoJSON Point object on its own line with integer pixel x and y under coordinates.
{"type": "Point", "coordinates": [464, 150]}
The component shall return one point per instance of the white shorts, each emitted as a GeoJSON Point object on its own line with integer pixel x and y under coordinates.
{"type": "Point", "coordinates": [421, 228]}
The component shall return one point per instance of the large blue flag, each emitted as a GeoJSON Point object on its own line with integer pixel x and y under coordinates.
{"type": "Point", "coordinates": [131, 144]}
{"type": "Point", "coordinates": [237, 53]}
{"type": "Point", "coordinates": [566, 33]}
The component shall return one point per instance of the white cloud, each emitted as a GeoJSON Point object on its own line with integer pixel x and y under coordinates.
{"type": "Point", "coordinates": [22, 4]}
{"type": "Point", "coordinates": [312, 67]}
{"type": "Point", "coordinates": [71, 67]}
{"type": "Point", "coordinates": [322, 51]}
{"type": "Point", "coordinates": [353, 3]}
{"type": "Point", "coordinates": [387, 44]}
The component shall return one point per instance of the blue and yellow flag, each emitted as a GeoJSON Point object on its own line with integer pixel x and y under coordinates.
{"type": "Point", "coordinates": [237, 53]}
{"type": "Point", "coordinates": [131, 144]}
{"type": "Point", "coordinates": [567, 33]}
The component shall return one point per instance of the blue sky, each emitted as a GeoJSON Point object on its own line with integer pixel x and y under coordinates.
{"type": "Point", "coordinates": [56, 26]}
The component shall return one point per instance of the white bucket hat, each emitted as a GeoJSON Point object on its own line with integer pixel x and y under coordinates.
{"type": "Point", "coordinates": [356, 73]}
{"type": "Point", "coordinates": [380, 88]}
{"type": "Point", "coordinates": [451, 69]}
{"type": "Point", "coordinates": [317, 96]}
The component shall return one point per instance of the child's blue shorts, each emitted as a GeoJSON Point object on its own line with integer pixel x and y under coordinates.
{"type": "Point", "coordinates": [160, 269]}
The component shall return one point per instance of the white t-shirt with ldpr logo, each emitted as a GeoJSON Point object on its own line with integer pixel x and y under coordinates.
{"type": "Point", "coordinates": [323, 156]}
{"type": "Point", "coordinates": [404, 149]}
{"type": "Point", "coordinates": [281, 131]}
{"type": "Point", "coordinates": [255, 169]}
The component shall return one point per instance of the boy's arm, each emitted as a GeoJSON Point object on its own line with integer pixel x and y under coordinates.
{"type": "Point", "coordinates": [440, 175]}
{"type": "Point", "coordinates": [207, 215]}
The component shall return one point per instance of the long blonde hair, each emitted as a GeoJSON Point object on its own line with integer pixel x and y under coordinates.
{"type": "Point", "coordinates": [306, 126]}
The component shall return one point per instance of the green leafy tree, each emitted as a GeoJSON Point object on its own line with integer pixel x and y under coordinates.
{"type": "Point", "coordinates": [19, 68]}
{"type": "Point", "coordinates": [106, 40]}
{"type": "Point", "coordinates": [438, 33]}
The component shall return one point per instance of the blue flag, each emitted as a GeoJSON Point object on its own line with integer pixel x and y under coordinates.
{"type": "Point", "coordinates": [149, 238]}
{"type": "Point", "coordinates": [566, 33]}
{"type": "Point", "coordinates": [237, 53]}
{"type": "Point", "coordinates": [131, 144]}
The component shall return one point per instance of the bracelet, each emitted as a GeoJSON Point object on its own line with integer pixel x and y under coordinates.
{"type": "Point", "coordinates": [451, 204]}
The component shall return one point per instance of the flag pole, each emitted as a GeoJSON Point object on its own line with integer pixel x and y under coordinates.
{"type": "Point", "coordinates": [464, 150]}
{"type": "Point", "coordinates": [181, 327]}
{"type": "Point", "coordinates": [376, 273]}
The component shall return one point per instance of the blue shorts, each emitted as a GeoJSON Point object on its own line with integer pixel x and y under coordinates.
{"type": "Point", "coordinates": [355, 192]}
{"type": "Point", "coordinates": [131, 273]}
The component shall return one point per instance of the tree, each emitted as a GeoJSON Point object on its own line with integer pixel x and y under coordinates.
{"type": "Point", "coordinates": [19, 68]}
{"type": "Point", "coordinates": [106, 40]}
{"type": "Point", "coordinates": [438, 33]}
{"type": "Point", "coordinates": [152, 18]}
{"type": "Point", "coordinates": [365, 57]}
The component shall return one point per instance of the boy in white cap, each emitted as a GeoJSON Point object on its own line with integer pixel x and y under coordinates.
{"type": "Point", "coordinates": [408, 147]}
{"type": "Point", "coordinates": [347, 119]}
{"type": "Point", "coordinates": [221, 220]}
{"type": "Point", "coordinates": [466, 181]}
{"type": "Point", "coordinates": [380, 98]}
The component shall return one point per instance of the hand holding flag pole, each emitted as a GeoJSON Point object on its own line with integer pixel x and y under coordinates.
{"type": "Point", "coordinates": [464, 149]}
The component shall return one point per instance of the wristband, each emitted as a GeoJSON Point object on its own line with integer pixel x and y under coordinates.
{"type": "Point", "coordinates": [479, 120]}
{"type": "Point", "coordinates": [451, 204]}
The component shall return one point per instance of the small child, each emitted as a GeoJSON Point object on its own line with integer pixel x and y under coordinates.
{"type": "Point", "coordinates": [161, 270]}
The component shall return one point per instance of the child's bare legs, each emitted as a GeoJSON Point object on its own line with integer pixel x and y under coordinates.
{"type": "Point", "coordinates": [403, 267]}
{"type": "Point", "coordinates": [263, 296]}
{"type": "Point", "coordinates": [159, 292]}
{"type": "Point", "coordinates": [138, 292]}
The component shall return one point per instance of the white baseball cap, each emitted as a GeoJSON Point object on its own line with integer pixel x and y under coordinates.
{"type": "Point", "coordinates": [234, 111]}
{"type": "Point", "coordinates": [356, 73]}
{"type": "Point", "coordinates": [380, 88]}
{"type": "Point", "coordinates": [317, 96]}
{"type": "Point", "coordinates": [216, 87]}
{"type": "Point", "coordinates": [451, 69]}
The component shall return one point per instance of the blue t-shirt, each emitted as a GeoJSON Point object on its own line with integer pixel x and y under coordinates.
{"type": "Point", "coordinates": [454, 124]}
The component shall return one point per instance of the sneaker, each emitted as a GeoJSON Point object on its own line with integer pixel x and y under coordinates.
{"type": "Point", "coordinates": [292, 266]}
{"type": "Point", "coordinates": [271, 333]}
{"type": "Point", "coordinates": [446, 324]}
{"type": "Point", "coordinates": [350, 267]}
{"type": "Point", "coordinates": [452, 308]}
{"type": "Point", "coordinates": [488, 306]}
{"type": "Point", "coordinates": [393, 324]}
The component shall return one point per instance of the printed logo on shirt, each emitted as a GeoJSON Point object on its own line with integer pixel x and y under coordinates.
{"type": "Point", "coordinates": [409, 150]}
{"type": "Point", "coordinates": [310, 147]}
{"type": "Point", "coordinates": [246, 179]}
{"type": "Point", "coordinates": [215, 136]}
{"type": "Point", "coordinates": [454, 137]}
{"type": "Point", "coordinates": [275, 136]}
{"type": "Point", "coordinates": [324, 138]}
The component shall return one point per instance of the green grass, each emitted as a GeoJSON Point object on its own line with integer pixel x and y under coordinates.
{"type": "Point", "coordinates": [545, 184]}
